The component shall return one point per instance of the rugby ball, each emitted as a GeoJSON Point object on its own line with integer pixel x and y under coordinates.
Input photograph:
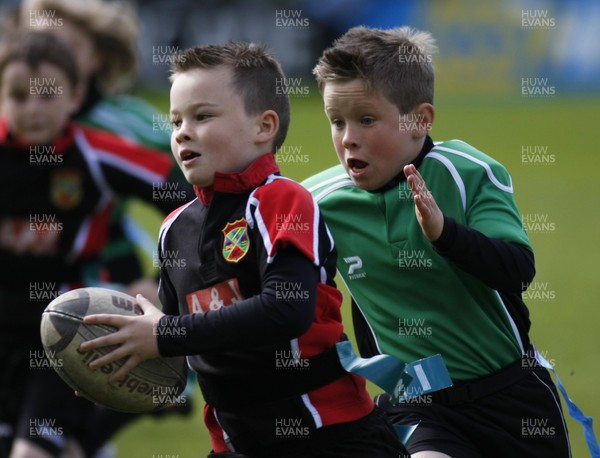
{"type": "Point", "coordinates": [152, 385]}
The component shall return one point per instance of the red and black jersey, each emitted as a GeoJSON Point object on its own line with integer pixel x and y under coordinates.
{"type": "Point", "coordinates": [55, 206]}
{"type": "Point", "coordinates": [247, 285]}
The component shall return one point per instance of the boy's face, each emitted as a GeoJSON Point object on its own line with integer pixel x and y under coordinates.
{"type": "Point", "coordinates": [211, 130]}
{"type": "Point", "coordinates": [37, 103]}
{"type": "Point", "coordinates": [366, 133]}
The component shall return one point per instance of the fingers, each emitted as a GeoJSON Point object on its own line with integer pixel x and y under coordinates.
{"type": "Point", "coordinates": [145, 304]}
{"type": "Point", "coordinates": [114, 355]}
{"type": "Point", "coordinates": [117, 321]}
{"type": "Point", "coordinates": [428, 213]}
{"type": "Point", "coordinates": [415, 180]}
{"type": "Point", "coordinates": [128, 366]}
{"type": "Point", "coordinates": [103, 341]}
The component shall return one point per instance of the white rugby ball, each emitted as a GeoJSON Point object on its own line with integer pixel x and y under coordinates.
{"type": "Point", "coordinates": [152, 385]}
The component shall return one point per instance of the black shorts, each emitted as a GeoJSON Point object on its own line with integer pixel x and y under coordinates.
{"type": "Point", "coordinates": [372, 436]}
{"type": "Point", "coordinates": [523, 419]}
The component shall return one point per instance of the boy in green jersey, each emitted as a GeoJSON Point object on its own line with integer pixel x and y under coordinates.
{"type": "Point", "coordinates": [433, 251]}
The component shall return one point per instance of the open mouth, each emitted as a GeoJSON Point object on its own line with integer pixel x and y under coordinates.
{"type": "Point", "coordinates": [188, 155]}
{"type": "Point", "coordinates": [356, 164]}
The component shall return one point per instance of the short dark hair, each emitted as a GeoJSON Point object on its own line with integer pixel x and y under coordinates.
{"type": "Point", "coordinates": [35, 48]}
{"type": "Point", "coordinates": [395, 62]}
{"type": "Point", "coordinates": [257, 77]}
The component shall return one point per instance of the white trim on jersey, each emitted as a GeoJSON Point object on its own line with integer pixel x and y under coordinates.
{"type": "Point", "coordinates": [487, 168]}
{"type": "Point", "coordinates": [363, 315]}
{"type": "Point", "coordinates": [335, 187]}
{"type": "Point", "coordinates": [121, 163]}
{"type": "Point", "coordinates": [557, 403]}
{"type": "Point", "coordinates": [260, 224]}
{"type": "Point", "coordinates": [327, 181]}
{"type": "Point", "coordinates": [512, 323]}
{"type": "Point", "coordinates": [106, 194]}
{"type": "Point", "coordinates": [166, 225]}
{"type": "Point", "coordinates": [262, 228]}
{"type": "Point", "coordinates": [455, 175]}
{"type": "Point", "coordinates": [295, 347]}
{"type": "Point", "coordinates": [316, 218]}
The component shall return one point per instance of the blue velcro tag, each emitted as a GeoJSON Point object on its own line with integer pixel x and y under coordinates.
{"type": "Point", "coordinates": [428, 374]}
{"type": "Point", "coordinates": [574, 410]}
{"type": "Point", "coordinates": [404, 432]}
{"type": "Point", "coordinates": [385, 371]}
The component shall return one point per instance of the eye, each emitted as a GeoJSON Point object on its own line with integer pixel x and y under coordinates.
{"type": "Point", "coordinates": [175, 122]}
{"type": "Point", "coordinates": [18, 96]}
{"type": "Point", "coordinates": [367, 121]}
{"type": "Point", "coordinates": [337, 123]}
{"type": "Point", "coordinates": [202, 116]}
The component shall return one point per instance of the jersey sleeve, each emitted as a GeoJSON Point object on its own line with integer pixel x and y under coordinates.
{"type": "Point", "coordinates": [284, 213]}
{"type": "Point", "coordinates": [483, 233]}
{"type": "Point", "coordinates": [493, 210]}
{"type": "Point", "coordinates": [474, 189]}
{"type": "Point", "coordinates": [132, 170]}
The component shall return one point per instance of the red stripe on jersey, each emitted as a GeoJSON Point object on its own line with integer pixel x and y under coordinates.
{"type": "Point", "coordinates": [214, 430]}
{"type": "Point", "coordinates": [288, 212]}
{"type": "Point", "coordinates": [152, 160]}
{"type": "Point", "coordinates": [342, 401]}
{"type": "Point", "coordinates": [97, 236]}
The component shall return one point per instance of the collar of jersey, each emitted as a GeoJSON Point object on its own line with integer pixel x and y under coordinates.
{"type": "Point", "coordinates": [239, 182]}
{"type": "Point", "coordinates": [61, 143]}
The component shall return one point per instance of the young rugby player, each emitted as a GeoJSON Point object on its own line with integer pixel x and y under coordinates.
{"type": "Point", "coordinates": [58, 183]}
{"type": "Point", "coordinates": [433, 251]}
{"type": "Point", "coordinates": [248, 295]}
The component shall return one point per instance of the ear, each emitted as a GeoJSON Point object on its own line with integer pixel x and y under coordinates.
{"type": "Point", "coordinates": [424, 114]}
{"type": "Point", "coordinates": [268, 126]}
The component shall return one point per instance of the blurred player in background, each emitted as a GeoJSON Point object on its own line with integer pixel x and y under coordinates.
{"type": "Point", "coordinates": [58, 183]}
{"type": "Point", "coordinates": [433, 251]}
{"type": "Point", "coordinates": [103, 37]}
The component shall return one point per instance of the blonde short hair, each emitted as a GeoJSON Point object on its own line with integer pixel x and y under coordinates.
{"type": "Point", "coordinates": [395, 62]}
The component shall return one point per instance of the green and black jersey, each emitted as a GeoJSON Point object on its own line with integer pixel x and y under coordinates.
{"type": "Point", "coordinates": [459, 296]}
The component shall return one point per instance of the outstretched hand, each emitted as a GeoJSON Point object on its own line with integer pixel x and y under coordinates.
{"type": "Point", "coordinates": [135, 337]}
{"type": "Point", "coordinates": [428, 213]}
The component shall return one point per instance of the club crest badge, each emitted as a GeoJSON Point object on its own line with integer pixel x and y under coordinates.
{"type": "Point", "coordinates": [236, 242]}
{"type": "Point", "coordinates": [66, 189]}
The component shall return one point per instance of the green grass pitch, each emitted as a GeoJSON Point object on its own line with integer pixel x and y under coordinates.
{"type": "Point", "coordinates": [560, 194]}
